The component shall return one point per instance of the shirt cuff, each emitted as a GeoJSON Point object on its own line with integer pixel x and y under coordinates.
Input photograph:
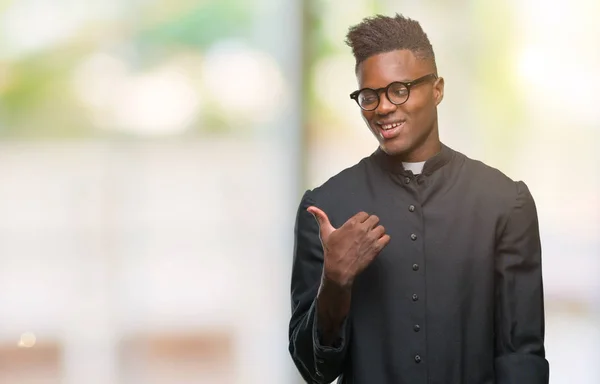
{"type": "Point", "coordinates": [520, 368]}
{"type": "Point", "coordinates": [329, 351]}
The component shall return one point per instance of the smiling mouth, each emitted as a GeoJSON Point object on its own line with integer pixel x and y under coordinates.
{"type": "Point", "coordinates": [387, 127]}
{"type": "Point", "coordinates": [390, 130]}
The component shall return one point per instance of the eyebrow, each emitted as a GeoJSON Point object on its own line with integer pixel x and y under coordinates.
{"type": "Point", "coordinates": [393, 81]}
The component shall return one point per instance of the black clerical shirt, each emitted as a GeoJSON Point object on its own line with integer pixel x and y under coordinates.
{"type": "Point", "coordinates": [456, 297]}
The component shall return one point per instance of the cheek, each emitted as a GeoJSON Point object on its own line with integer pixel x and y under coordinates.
{"type": "Point", "coordinates": [420, 109]}
{"type": "Point", "coordinates": [367, 116]}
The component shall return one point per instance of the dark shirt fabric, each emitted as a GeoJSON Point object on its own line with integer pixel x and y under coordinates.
{"type": "Point", "coordinates": [456, 297]}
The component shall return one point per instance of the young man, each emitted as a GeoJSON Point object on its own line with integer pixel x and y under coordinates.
{"type": "Point", "coordinates": [418, 264]}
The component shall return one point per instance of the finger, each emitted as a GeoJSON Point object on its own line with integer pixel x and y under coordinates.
{"type": "Point", "coordinates": [378, 232]}
{"type": "Point", "coordinates": [382, 242]}
{"type": "Point", "coordinates": [360, 217]}
{"type": "Point", "coordinates": [319, 215]}
{"type": "Point", "coordinates": [324, 224]}
{"type": "Point", "coordinates": [371, 222]}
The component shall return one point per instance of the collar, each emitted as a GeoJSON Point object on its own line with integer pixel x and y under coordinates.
{"type": "Point", "coordinates": [394, 165]}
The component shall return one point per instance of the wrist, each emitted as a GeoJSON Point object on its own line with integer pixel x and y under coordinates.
{"type": "Point", "coordinates": [336, 281]}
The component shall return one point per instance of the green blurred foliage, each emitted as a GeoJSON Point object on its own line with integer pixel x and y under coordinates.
{"type": "Point", "coordinates": [36, 98]}
{"type": "Point", "coordinates": [319, 47]}
{"type": "Point", "coordinates": [37, 102]}
{"type": "Point", "coordinates": [197, 26]}
{"type": "Point", "coordinates": [498, 105]}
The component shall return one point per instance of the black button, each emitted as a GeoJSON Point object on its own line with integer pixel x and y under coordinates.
{"type": "Point", "coordinates": [411, 208]}
{"type": "Point", "coordinates": [417, 328]}
{"type": "Point", "coordinates": [415, 267]}
{"type": "Point", "coordinates": [415, 297]}
{"type": "Point", "coordinates": [413, 237]}
{"type": "Point", "coordinates": [418, 359]}
{"type": "Point", "coordinates": [407, 180]}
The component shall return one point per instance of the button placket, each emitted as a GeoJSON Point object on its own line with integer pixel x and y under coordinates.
{"type": "Point", "coordinates": [414, 234]}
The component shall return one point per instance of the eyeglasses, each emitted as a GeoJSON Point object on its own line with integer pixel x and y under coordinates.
{"type": "Point", "coordinates": [396, 92]}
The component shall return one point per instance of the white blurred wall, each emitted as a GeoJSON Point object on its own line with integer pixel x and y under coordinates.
{"type": "Point", "coordinates": [101, 243]}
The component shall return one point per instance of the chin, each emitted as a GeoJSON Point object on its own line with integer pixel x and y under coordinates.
{"type": "Point", "coordinates": [393, 148]}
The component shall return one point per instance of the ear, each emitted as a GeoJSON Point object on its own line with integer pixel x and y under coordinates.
{"type": "Point", "coordinates": [438, 90]}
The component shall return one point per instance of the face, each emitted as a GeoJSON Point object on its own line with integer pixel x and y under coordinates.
{"type": "Point", "coordinates": [410, 129]}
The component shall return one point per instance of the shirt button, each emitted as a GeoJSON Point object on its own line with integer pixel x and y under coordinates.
{"type": "Point", "coordinates": [413, 237]}
{"type": "Point", "coordinates": [411, 208]}
{"type": "Point", "coordinates": [418, 359]}
{"type": "Point", "coordinates": [415, 267]}
{"type": "Point", "coordinates": [415, 297]}
{"type": "Point", "coordinates": [417, 328]}
{"type": "Point", "coordinates": [407, 180]}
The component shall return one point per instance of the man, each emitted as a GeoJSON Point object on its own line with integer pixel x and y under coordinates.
{"type": "Point", "coordinates": [418, 264]}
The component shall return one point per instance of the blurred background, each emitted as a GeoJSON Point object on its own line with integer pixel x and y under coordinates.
{"type": "Point", "coordinates": [153, 153]}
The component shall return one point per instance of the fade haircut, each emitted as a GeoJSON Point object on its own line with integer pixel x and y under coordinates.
{"type": "Point", "coordinates": [381, 34]}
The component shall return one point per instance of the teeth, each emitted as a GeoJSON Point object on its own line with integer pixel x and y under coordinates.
{"type": "Point", "coordinates": [390, 126]}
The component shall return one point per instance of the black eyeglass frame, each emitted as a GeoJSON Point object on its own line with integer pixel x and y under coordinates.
{"type": "Point", "coordinates": [408, 85]}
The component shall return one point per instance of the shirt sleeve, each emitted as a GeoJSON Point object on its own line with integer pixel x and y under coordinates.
{"type": "Point", "coordinates": [519, 310]}
{"type": "Point", "coordinates": [315, 362]}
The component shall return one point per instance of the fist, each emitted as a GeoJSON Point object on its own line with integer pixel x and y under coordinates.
{"type": "Point", "coordinates": [349, 249]}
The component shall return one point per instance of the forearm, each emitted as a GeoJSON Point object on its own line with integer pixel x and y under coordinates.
{"type": "Point", "coordinates": [316, 361]}
{"type": "Point", "coordinates": [333, 306]}
{"type": "Point", "coordinates": [521, 368]}
{"type": "Point", "coordinates": [519, 325]}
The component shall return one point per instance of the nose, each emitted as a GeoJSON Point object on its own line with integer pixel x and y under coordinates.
{"type": "Point", "coordinates": [385, 105]}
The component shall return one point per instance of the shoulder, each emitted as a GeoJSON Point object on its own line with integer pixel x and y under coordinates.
{"type": "Point", "coordinates": [342, 195]}
{"type": "Point", "coordinates": [494, 184]}
{"type": "Point", "coordinates": [347, 181]}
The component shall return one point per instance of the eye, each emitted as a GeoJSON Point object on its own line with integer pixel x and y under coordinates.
{"type": "Point", "coordinates": [398, 90]}
{"type": "Point", "coordinates": [367, 97]}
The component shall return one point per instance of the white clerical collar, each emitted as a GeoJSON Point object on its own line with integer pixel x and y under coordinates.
{"type": "Point", "coordinates": [415, 168]}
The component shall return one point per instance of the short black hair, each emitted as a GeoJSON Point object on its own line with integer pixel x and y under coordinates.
{"type": "Point", "coordinates": [381, 34]}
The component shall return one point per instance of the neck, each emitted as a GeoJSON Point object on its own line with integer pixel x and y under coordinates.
{"type": "Point", "coordinates": [423, 153]}
{"type": "Point", "coordinates": [428, 148]}
{"type": "Point", "coordinates": [394, 163]}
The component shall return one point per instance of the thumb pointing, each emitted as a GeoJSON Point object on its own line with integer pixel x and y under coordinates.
{"type": "Point", "coordinates": [324, 225]}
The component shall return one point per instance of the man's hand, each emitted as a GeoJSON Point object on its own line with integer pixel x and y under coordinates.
{"type": "Point", "coordinates": [350, 249]}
